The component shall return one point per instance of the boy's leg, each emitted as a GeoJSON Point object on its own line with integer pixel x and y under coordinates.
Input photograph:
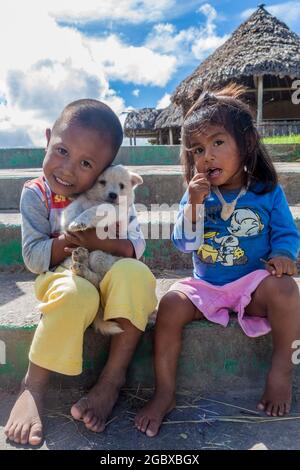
{"type": "Point", "coordinates": [279, 300]}
{"type": "Point", "coordinates": [128, 296]}
{"type": "Point", "coordinates": [69, 304]}
{"type": "Point", "coordinates": [175, 311]}
{"type": "Point", "coordinates": [97, 405]}
{"type": "Point", "coordinates": [24, 424]}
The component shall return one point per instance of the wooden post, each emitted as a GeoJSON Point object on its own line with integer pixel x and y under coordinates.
{"type": "Point", "coordinates": [134, 139]}
{"type": "Point", "coordinates": [159, 137]}
{"type": "Point", "coordinates": [170, 136]}
{"type": "Point", "coordinates": [260, 95]}
{"type": "Point", "coordinates": [130, 140]}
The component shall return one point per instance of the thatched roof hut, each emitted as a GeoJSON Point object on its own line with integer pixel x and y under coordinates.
{"type": "Point", "coordinates": [168, 125]}
{"type": "Point", "coordinates": [263, 54]}
{"type": "Point", "coordinates": [141, 123]}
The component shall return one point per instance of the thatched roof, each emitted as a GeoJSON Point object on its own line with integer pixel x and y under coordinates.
{"type": "Point", "coordinates": [142, 121]}
{"type": "Point", "coordinates": [169, 117]}
{"type": "Point", "coordinates": [262, 45]}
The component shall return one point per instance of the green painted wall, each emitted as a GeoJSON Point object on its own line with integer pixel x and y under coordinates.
{"type": "Point", "coordinates": [135, 155]}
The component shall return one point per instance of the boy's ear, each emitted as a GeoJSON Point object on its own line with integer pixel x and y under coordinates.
{"type": "Point", "coordinates": [136, 179]}
{"type": "Point", "coordinates": [48, 135]}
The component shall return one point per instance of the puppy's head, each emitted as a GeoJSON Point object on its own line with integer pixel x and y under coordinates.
{"type": "Point", "coordinates": [114, 182]}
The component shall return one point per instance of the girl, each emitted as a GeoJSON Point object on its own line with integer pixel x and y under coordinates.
{"type": "Point", "coordinates": [231, 179]}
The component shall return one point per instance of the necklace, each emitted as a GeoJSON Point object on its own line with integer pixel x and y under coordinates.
{"type": "Point", "coordinates": [228, 207]}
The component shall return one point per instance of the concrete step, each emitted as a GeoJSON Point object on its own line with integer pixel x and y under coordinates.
{"type": "Point", "coordinates": [136, 155]}
{"type": "Point", "coordinates": [157, 228]}
{"type": "Point", "coordinates": [233, 360]}
{"type": "Point", "coordinates": [162, 184]}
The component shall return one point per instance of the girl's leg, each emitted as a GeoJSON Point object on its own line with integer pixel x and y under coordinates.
{"type": "Point", "coordinates": [175, 311]}
{"type": "Point", "coordinates": [279, 300]}
{"type": "Point", "coordinates": [69, 304]}
{"type": "Point", "coordinates": [127, 296]}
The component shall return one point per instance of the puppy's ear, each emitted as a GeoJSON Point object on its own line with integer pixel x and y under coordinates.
{"type": "Point", "coordinates": [136, 179]}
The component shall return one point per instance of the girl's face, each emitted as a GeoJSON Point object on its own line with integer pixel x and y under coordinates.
{"type": "Point", "coordinates": [216, 154]}
{"type": "Point", "coordinates": [74, 159]}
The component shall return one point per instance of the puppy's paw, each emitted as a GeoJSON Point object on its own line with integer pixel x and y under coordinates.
{"type": "Point", "coordinates": [77, 227]}
{"type": "Point", "coordinates": [79, 269]}
{"type": "Point", "coordinates": [80, 255]}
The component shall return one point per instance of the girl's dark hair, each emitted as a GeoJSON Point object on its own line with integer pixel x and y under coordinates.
{"type": "Point", "coordinates": [95, 115]}
{"type": "Point", "coordinates": [224, 108]}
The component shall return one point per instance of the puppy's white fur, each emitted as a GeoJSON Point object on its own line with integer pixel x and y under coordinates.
{"type": "Point", "coordinates": [84, 212]}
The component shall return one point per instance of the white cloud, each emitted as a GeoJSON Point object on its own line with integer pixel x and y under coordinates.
{"type": "Point", "coordinates": [289, 12]}
{"type": "Point", "coordinates": [136, 92]}
{"type": "Point", "coordinates": [139, 65]}
{"type": "Point", "coordinates": [133, 11]}
{"type": "Point", "coordinates": [164, 101]}
{"type": "Point", "coordinates": [43, 66]}
{"type": "Point", "coordinates": [188, 44]}
{"type": "Point", "coordinates": [130, 11]}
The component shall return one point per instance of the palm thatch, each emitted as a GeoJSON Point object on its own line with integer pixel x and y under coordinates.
{"type": "Point", "coordinates": [170, 117]}
{"type": "Point", "coordinates": [141, 122]}
{"type": "Point", "coordinates": [262, 45]}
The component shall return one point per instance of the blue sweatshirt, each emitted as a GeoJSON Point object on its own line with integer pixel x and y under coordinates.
{"type": "Point", "coordinates": [261, 226]}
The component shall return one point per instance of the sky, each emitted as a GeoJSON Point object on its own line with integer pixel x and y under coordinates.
{"type": "Point", "coordinates": [128, 53]}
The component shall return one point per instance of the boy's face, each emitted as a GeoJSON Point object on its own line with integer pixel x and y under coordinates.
{"type": "Point", "coordinates": [75, 157]}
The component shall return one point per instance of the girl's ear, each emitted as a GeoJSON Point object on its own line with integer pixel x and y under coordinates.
{"type": "Point", "coordinates": [48, 135]}
{"type": "Point", "coordinates": [136, 179]}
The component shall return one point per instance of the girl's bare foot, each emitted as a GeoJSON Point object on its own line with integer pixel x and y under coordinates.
{"type": "Point", "coordinates": [150, 417]}
{"type": "Point", "coordinates": [97, 405]}
{"type": "Point", "coordinates": [277, 397]}
{"type": "Point", "coordinates": [24, 425]}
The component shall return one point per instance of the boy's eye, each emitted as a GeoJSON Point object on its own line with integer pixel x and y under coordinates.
{"type": "Point", "coordinates": [62, 151]}
{"type": "Point", "coordinates": [103, 182]}
{"type": "Point", "coordinates": [122, 186]}
{"type": "Point", "coordinates": [86, 164]}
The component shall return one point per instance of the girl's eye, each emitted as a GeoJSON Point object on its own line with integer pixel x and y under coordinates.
{"type": "Point", "coordinates": [198, 151]}
{"type": "Point", "coordinates": [122, 186]}
{"type": "Point", "coordinates": [86, 164]}
{"type": "Point", "coordinates": [62, 151]}
{"type": "Point", "coordinates": [102, 182]}
{"type": "Point", "coordinates": [219, 142]}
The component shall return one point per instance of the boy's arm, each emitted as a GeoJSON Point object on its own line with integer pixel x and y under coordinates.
{"type": "Point", "coordinates": [36, 232]}
{"type": "Point", "coordinates": [187, 236]}
{"type": "Point", "coordinates": [40, 251]}
{"type": "Point", "coordinates": [284, 237]}
{"type": "Point", "coordinates": [130, 245]}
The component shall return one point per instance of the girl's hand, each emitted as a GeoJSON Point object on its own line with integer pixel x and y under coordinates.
{"type": "Point", "coordinates": [280, 265]}
{"type": "Point", "coordinates": [199, 188]}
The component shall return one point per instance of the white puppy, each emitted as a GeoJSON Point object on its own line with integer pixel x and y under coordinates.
{"type": "Point", "coordinates": [108, 202]}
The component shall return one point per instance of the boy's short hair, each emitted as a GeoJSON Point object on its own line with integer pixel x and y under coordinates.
{"type": "Point", "coordinates": [93, 114]}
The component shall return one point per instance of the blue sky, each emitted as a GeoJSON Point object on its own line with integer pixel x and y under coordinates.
{"type": "Point", "coordinates": [130, 53]}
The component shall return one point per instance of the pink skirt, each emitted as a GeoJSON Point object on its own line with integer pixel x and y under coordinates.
{"type": "Point", "coordinates": [216, 302]}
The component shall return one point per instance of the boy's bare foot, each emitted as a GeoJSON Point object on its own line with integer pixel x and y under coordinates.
{"type": "Point", "coordinates": [24, 425]}
{"type": "Point", "coordinates": [97, 405]}
{"type": "Point", "coordinates": [277, 397]}
{"type": "Point", "coordinates": [150, 417]}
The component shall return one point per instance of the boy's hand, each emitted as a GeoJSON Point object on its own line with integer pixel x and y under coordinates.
{"type": "Point", "coordinates": [199, 188]}
{"type": "Point", "coordinates": [87, 239]}
{"type": "Point", "coordinates": [280, 265]}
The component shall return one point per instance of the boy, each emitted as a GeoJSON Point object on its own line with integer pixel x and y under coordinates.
{"type": "Point", "coordinates": [83, 142]}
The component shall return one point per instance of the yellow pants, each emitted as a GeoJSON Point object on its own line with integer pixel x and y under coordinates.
{"type": "Point", "coordinates": [70, 303]}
